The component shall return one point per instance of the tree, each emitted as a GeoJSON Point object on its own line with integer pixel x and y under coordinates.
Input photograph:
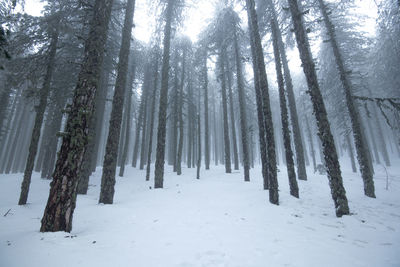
{"type": "Point", "coordinates": [331, 159]}
{"type": "Point", "coordinates": [261, 79]}
{"type": "Point", "coordinates": [110, 158]}
{"type": "Point", "coordinates": [62, 198]}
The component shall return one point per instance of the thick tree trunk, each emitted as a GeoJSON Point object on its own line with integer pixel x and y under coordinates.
{"type": "Point", "coordinates": [114, 131]}
{"type": "Point", "coordinates": [40, 109]}
{"type": "Point", "coordinates": [361, 148]}
{"type": "Point", "coordinates": [294, 188]}
{"type": "Point", "coordinates": [222, 54]}
{"type": "Point", "coordinates": [162, 114]}
{"type": "Point", "coordinates": [298, 144]}
{"type": "Point", "coordinates": [62, 198]}
{"type": "Point", "coordinates": [267, 116]}
{"type": "Point", "coordinates": [242, 108]}
{"type": "Point", "coordinates": [330, 155]}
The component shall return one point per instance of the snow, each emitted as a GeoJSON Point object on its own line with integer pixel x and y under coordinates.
{"type": "Point", "coordinates": [219, 220]}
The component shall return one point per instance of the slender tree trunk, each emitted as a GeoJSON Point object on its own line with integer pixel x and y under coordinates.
{"type": "Point", "coordinates": [294, 188]}
{"type": "Point", "coordinates": [263, 85]}
{"type": "Point", "coordinates": [110, 158]}
{"type": "Point", "coordinates": [216, 153]}
{"type": "Point", "coordinates": [311, 143]}
{"type": "Point", "coordinates": [330, 155]}
{"type": "Point", "coordinates": [232, 115]}
{"type": "Point", "coordinates": [162, 114]}
{"type": "Point", "coordinates": [175, 113]}
{"type": "Point", "coordinates": [361, 148]}
{"type": "Point", "coordinates": [190, 125]}
{"type": "Point", "coordinates": [242, 108]}
{"type": "Point", "coordinates": [152, 114]}
{"type": "Point", "coordinates": [199, 141]}
{"type": "Point", "coordinates": [298, 144]}
{"type": "Point", "coordinates": [128, 119]}
{"type": "Point", "coordinates": [40, 109]}
{"type": "Point", "coordinates": [146, 88]}
{"type": "Point", "coordinates": [222, 54]}
{"type": "Point", "coordinates": [206, 127]}
{"type": "Point", "coordinates": [139, 124]}
{"type": "Point", "coordinates": [62, 198]}
{"type": "Point", "coordinates": [180, 117]}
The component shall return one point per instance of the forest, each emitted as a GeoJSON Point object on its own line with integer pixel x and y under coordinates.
{"type": "Point", "coordinates": [200, 133]}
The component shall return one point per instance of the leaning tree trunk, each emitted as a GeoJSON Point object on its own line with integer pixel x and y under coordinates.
{"type": "Point", "coordinates": [331, 159]}
{"type": "Point", "coordinates": [222, 54]}
{"type": "Point", "coordinates": [62, 198]}
{"type": "Point", "coordinates": [361, 148]}
{"type": "Point", "coordinates": [180, 117]}
{"type": "Point", "coordinates": [114, 131]}
{"type": "Point", "coordinates": [298, 143]}
{"type": "Point", "coordinates": [162, 113]}
{"type": "Point", "coordinates": [263, 85]}
{"type": "Point", "coordinates": [294, 188]}
{"type": "Point", "coordinates": [40, 109]}
{"type": "Point", "coordinates": [242, 108]}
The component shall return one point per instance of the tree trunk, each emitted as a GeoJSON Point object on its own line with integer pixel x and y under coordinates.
{"type": "Point", "coordinates": [146, 88]}
{"type": "Point", "coordinates": [361, 148]}
{"type": "Point", "coordinates": [263, 85]}
{"type": "Point", "coordinates": [110, 158]}
{"type": "Point", "coordinates": [330, 155]}
{"type": "Point", "coordinates": [232, 115]}
{"type": "Point", "coordinates": [294, 188]}
{"type": "Point", "coordinates": [128, 112]}
{"type": "Point", "coordinates": [206, 127]}
{"type": "Point", "coordinates": [152, 116]}
{"type": "Point", "coordinates": [162, 114]}
{"type": "Point", "coordinates": [311, 143]}
{"type": "Point", "coordinates": [222, 54]}
{"type": "Point", "coordinates": [298, 144]}
{"type": "Point", "coordinates": [242, 108]}
{"type": "Point", "coordinates": [62, 198]}
{"type": "Point", "coordinates": [40, 109]}
{"type": "Point", "coordinates": [180, 116]}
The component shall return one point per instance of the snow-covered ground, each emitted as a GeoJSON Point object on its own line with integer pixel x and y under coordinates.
{"type": "Point", "coordinates": [218, 220]}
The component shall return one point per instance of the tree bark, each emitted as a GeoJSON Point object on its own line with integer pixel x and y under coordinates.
{"type": "Point", "coordinates": [40, 109]}
{"type": "Point", "coordinates": [110, 158]}
{"type": "Point", "coordinates": [242, 108]}
{"type": "Point", "coordinates": [294, 188]}
{"type": "Point", "coordinates": [62, 198]}
{"type": "Point", "coordinates": [331, 160]}
{"type": "Point", "coordinates": [263, 85]}
{"type": "Point", "coordinates": [298, 144]}
{"type": "Point", "coordinates": [206, 127]}
{"type": "Point", "coordinates": [361, 148]}
{"type": "Point", "coordinates": [162, 114]}
{"type": "Point", "coordinates": [180, 117]}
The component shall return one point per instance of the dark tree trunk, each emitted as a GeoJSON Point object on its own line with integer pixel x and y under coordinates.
{"type": "Point", "coordinates": [263, 85]}
{"type": "Point", "coordinates": [40, 109]}
{"type": "Point", "coordinates": [162, 114]}
{"type": "Point", "coordinates": [294, 188]}
{"type": "Point", "coordinates": [199, 142]}
{"type": "Point", "coordinates": [361, 148]}
{"type": "Point", "coordinates": [62, 198]}
{"type": "Point", "coordinates": [110, 158]}
{"type": "Point", "coordinates": [222, 54]}
{"type": "Point", "coordinates": [190, 126]}
{"type": "Point", "coordinates": [175, 113]}
{"type": "Point", "coordinates": [330, 155]}
{"type": "Point", "coordinates": [152, 114]}
{"type": "Point", "coordinates": [242, 108]}
{"type": "Point", "coordinates": [146, 89]}
{"type": "Point", "coordinates": [298, 144]}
